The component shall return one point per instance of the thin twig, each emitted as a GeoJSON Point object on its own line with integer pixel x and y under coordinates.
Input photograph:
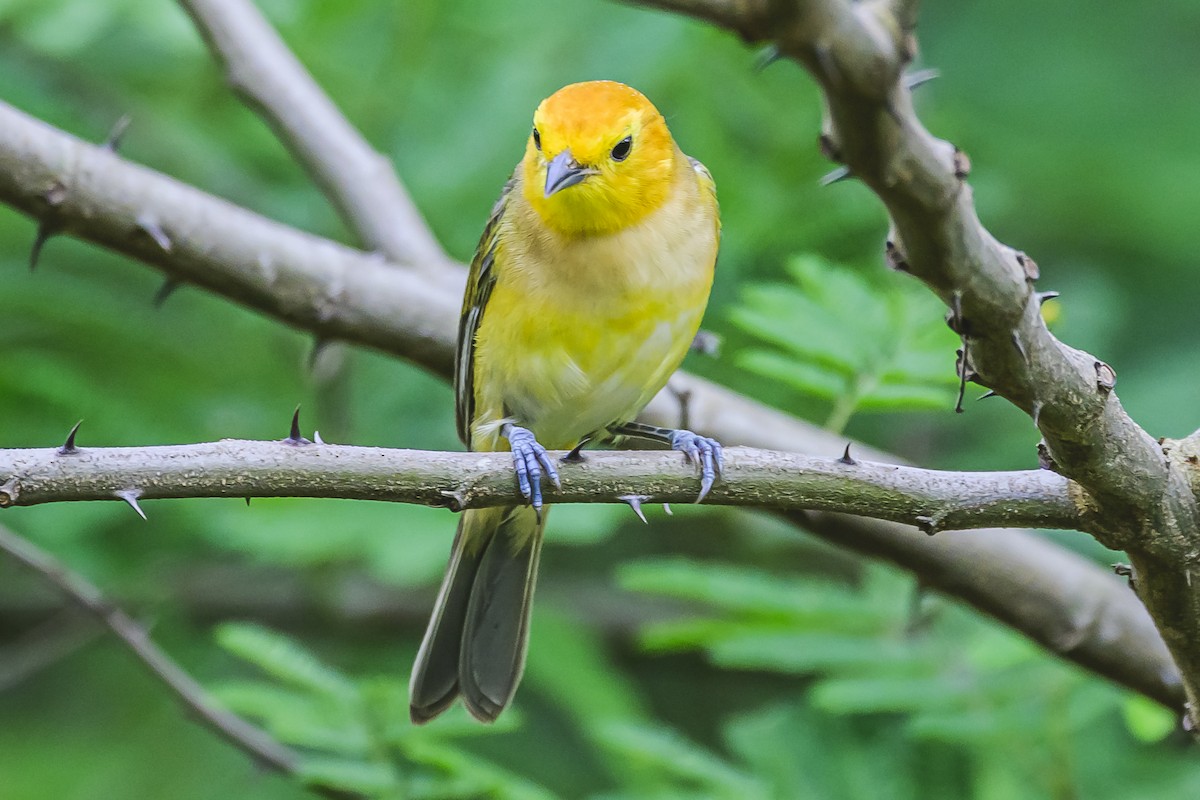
{"type": "Point", "coordinates": [233, 729]}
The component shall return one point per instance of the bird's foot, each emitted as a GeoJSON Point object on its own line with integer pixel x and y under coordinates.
{"type": "Point", "coordinates": [702, 451]}
{"type": "Point", "coordinates": [530, 460]}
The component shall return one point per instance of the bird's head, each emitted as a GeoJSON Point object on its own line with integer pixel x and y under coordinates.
{"type": "Point", "coordinates": [599, 159]}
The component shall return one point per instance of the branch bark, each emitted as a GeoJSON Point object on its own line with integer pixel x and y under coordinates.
{"type": "Point", "coordinates": [857, 52]}
{"type": "Point", "coordinates": [930, 499]}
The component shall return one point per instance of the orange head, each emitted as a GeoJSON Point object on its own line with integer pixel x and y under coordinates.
{"type": "Point", "coordinates": [599, 159]}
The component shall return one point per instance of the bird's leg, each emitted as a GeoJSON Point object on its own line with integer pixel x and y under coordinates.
{"type": "Point", "coordinates": [529, 460]}
{"type": "Point", "coordinates": [702, 451]}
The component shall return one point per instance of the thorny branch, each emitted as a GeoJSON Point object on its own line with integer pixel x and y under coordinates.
{"type": "Point", "coordinates": [858, 52]}
{"type": "Point", "coordinates": [929, 499]}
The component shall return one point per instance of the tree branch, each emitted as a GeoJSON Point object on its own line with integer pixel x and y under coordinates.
{"type": "Point", "coordinates": [930, 499]}
{"type": "Point", "coordinates": [254, 742]}
{"type": "Point", "coordinates": [360, 182]}
{"type": "Point", "coordinates": [311, 283]}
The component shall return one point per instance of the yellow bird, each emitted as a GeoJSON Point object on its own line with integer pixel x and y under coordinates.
{"type": "Point", "coordinates": [584, 295]}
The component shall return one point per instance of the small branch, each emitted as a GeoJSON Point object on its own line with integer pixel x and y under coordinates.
{"type": "Point", "coordinates": [233, 729]}
{"type": "Point", "coordinates": [308, 282]}
{"type": "Point", "coordinates": [930, 499]}
{"type": "Point", "coordinates": [360, 182]}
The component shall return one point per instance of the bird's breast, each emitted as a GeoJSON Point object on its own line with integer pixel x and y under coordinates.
{"type": "Point", "coordinates": [581, 333]}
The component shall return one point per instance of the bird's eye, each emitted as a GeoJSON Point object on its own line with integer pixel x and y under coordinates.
{"type": "Point", "coordinates": [620, 150]}
{"type": "Point", "coordinates": [537, 139]}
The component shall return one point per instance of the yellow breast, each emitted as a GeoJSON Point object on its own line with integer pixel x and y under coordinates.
{"type": "Point", "coordinates": [580, 333]}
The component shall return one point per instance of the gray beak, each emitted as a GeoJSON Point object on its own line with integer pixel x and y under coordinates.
{"type": "Point", "coordinates": [564, 171]}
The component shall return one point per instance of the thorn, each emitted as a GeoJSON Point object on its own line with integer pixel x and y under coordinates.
{"type": "Point", "coordinates": [829, 147]}
{"type": "Point", "coordinates": [987, 394]}
{"type": "Point", "coordinates": [576, 455]}
{"type": "Point", "coordinates": [915, 80]}
{"type": "Point", "coordinates": [69, 448]}
{"type": "Point", "coordinates": [149, 225]}
{"type": "Point", "coordinates": [1035, 412]}
{"type": "Point", "coordinates": [846, 458]}
{"type": "Point", "coordinates": [319, 344]}
{"type": "Point", "coordinates": [294, 438]}
{"type": "Point", "coordinates": [707, 343]}
{"type": "Point", "coordinates": [317, 438]}
{"type": "Point", "coordinates": [840, 174]}
{"type": "Point", "coordinates": [166, 290]}
{"type": "Point", "coordinates": [1106, 377]}
{"type": "Point", "coordinates": [131, 496]}
{"type": "Point", "coordinates": [927, 525]}
{"type": "Point", "coordinates": [1044, 459]}
{"type": "Point", "coordinates": [1044, 296]}
{"type": "Point", "coordinates": [114, 136]}
{"type": "Point", "coordinates": [954, 318]}
{"type": "Point", "coordinates": [635, 502]}
{"type": "Point", "coordinates": [962, 164]}
{"type": "Point", "coordinates": [247, 502]}
{"type": "Point", "coordinates": [667, 508]}
{"type": "Point", "coordinates": [456, 498]}
{"type": "Point", "coordinates": [1016, 340]}
{"type": "Point", "coordinates": [894, 257]}
{"type": "Point", "coordinates": [1029, 266]}
{"type": "Point", "coordinates": [766, 57]}
{"type": "Point", "coordinates": [45, 230]}
{"type": "Point", "coordinates": [1126, 571]}
{"type": "Point", "coordinates": [9, 492]}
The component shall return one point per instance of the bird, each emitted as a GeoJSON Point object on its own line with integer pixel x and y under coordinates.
{"type": "Point", "coordinates": [584, 295]}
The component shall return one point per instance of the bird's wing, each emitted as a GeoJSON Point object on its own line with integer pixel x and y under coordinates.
{"type": "Point", "coordinates": [480, 281]}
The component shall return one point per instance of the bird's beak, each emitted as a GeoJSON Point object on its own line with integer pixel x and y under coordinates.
{"type": "Point", "coordinates": [564, 171]}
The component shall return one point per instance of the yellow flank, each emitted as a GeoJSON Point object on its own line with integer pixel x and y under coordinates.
{"type": "Point", "coordinates": [593, 292]}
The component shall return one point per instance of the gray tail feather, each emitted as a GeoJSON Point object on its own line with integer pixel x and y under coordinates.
{"type": "Point", "coordinates": [477, 637]}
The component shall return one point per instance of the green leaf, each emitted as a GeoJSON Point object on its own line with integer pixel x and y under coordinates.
{"type": "Point", "coordinates": [670, 753]}
{"type": "Point", "coordinates": [811, 379]}
{"type": "Point", "coordinates": [752, 592]}
{"type": "Point", "coordinates": [804, 653]}
{"type": "Point", "coordinates": [889, 694]}
{"type": "Point", "coordinates": [283, 659]}
{"type": "Point", "coordinates": [857, 344]}
{"type": "Point", "coordinates": [356, 776]}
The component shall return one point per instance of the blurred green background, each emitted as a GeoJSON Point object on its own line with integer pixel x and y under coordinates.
{"type": "Point", "coordinates": [711, 654]}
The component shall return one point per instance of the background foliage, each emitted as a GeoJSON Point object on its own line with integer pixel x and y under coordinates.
{"type": "Point", "coordinates": [713, 654]}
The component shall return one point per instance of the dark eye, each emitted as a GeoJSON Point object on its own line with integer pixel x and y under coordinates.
{"type": "Point", "coordinates": [537, 139]}
{"type": "Point", "coordinates": [620, 151]}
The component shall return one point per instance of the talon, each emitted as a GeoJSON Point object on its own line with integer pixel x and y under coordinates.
{"type": "Point", "coordinates": [705, 453]}
{"type": "Point", "coordinates": [529, 461]}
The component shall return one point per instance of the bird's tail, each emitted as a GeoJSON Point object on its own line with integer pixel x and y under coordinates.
{"type": "Point", "coordinates": [476, 641]}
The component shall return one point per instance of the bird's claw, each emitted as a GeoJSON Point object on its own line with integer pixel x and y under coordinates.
{"type": "Point", "coordinates": [530, 460]}
{"type": "Point", "coordinates": [705, 453]}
